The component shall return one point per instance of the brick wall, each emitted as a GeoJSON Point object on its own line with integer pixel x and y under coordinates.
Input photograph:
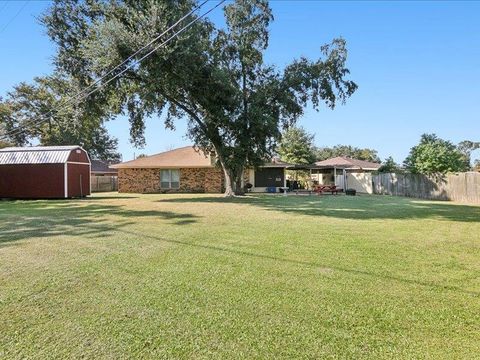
{"type": "Point", "coordinates": [209, 180]}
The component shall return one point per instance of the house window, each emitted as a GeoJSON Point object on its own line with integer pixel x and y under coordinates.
{"type": "Point", "coordinates": [169, 179]}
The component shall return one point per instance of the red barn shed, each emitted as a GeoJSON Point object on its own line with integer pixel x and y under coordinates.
{"type": "Point", "coordinates": [44, 172]}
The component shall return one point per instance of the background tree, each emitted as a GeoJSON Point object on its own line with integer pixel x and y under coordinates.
{"type": "Point", "coordinates": [296, 146]}
{"type": "Point", "coordinates": [466, 148]}
{"type": "Point", "coordinates": [434, 155]}
{"type": "Point", "coordinates": [235, 104]}
{"type": "Point", "coordinates": [476, 165]}
{"type": "Point", "coordinates": [347, 151]}
{"type": "Point", "coordinates": [26, 108]}
{"type": "Point", "coordinates": [4, 111]}
{"type": "Point", "coordinates": [389, 166]}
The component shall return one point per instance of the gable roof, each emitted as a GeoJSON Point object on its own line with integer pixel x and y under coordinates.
{"type": "Point", "coordinates": [36, 154]}
{"type": "Point", "coordinates": [184, 157]}
{"type": "Point", "coordinates": [345, 162]}
{"type": "Point", "coordinates": [99, 166]}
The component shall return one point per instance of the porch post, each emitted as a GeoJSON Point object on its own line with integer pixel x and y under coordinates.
{"type": "Point", "coordinates": [334, 176]}
{"type": "Point", "coordinates": [345, 179]}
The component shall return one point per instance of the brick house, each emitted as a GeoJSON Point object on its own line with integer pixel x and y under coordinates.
{"type": "Point", "coordinates": [188, 170]}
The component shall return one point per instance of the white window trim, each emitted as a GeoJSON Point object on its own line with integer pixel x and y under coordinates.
{"type": "Point", "coordinates": [170, 181]}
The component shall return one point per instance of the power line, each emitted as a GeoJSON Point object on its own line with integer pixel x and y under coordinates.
{"type": "Point", "coordinates": [5, 3]}
{"type": "Point", "coordinates": [14, 16]}
{"type": "Point", "coordinates": [135, 62]}
{"type": "Point", "coordinates": [65, 102]}
{"type": "Point", "coordinates": [68, 100]}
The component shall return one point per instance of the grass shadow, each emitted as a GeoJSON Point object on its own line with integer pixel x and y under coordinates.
{"type": "Point", "coordinates": [42, 219]}
{"type": "Point", "coordinates": [362, 207]}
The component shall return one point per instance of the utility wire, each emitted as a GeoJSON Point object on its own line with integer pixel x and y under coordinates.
{"type": "Point", "coordinates": [135, 62]}
{"type": "Point", "coordinates": [5, 3]}
{"type": "Point", "coordinates": [14, 16]}
{"type": "Point", "coordinates": [70, 99]}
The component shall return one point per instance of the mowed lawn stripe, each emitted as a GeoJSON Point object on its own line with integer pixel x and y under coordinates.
{"type": "Point", "coordinates": [200, 276]}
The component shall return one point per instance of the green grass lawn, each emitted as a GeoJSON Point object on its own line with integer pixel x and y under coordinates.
{"type": "Point", "coordinates": [199, 276]}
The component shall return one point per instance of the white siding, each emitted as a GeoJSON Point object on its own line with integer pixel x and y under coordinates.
{"type": "Point", "coordinates": [361, 181]}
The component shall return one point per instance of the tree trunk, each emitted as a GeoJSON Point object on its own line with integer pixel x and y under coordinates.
{"type": "Point", "coordinates": [229, 178]}
{"type": "Point", "coordinates": [233, 182]}
{"type": "Point", "coordinates": [233, 178]}
{"type": "Point", "coordinates": [229, 192]}
{"type": "Point", "coordinates": [239, 190]}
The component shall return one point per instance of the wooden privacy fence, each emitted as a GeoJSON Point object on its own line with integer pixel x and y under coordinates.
{"type": "Point", "coordinates": [103, 183]}
{"type": "Point", "coordinates": [462, 187]}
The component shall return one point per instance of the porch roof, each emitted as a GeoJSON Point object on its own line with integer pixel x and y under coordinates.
{"type": "Point", "coordinates": [348, 163]}
{"type": "Point", "coordinates": [339, 162]}
{"type": "Point", "coordinates": [277, 163]}
{"type": "Point", "coordinates": [313, 167]}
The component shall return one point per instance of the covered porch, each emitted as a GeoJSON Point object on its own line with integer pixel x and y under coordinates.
{"type": "Point", "coordinates": [329, 176]}
{"type": "Point", "coordinates": [323, 175]}
{"type": "Point", "coordinates": [342, 177]}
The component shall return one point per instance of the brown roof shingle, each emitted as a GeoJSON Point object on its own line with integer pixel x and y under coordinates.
{"type": "Point", "coordinates": [346, 162]}
{"type": "Point", "coordinates": [185, 157]}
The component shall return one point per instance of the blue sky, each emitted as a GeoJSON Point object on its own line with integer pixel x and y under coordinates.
{"type": "Point", "coordinates": [417, 65]}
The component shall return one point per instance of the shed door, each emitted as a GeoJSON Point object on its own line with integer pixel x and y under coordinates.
{"type": "Point", "coordinates": [269, 177]}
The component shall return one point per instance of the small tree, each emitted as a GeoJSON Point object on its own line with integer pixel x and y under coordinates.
{"type": "Point", "coordinates": [389, 166]}
{"type": "Point", "coordinates": [476, 165]}
{"type": "Point", "coordinates": [466, 148]}
{"type": "Point", "coordinates": [296, 146]}
{"type": "Point", "coordinates": [434, 155]}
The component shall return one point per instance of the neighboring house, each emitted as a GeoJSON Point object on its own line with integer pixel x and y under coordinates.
{"type": "Point", "coordinates": [346, 173]}
{"type": "Point", "coordinates": [101, 168]}
{"type": "Point", "coordinates": [44, 172]}
{"type": "Point", "coordinates": [104, 178]}
{"type": "Point", "coordinates": [188, 170]}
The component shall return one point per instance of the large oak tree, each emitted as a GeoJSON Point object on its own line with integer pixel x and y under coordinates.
{"type": "Point", "coordinates": [216, 78]}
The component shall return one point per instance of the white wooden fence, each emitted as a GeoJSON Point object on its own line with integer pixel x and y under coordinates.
{"type": "Point", "coordinates": [461, 187]}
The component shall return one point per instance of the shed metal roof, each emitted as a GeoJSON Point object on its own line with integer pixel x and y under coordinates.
{"type": "Point", "coordinates": [36, 155]}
